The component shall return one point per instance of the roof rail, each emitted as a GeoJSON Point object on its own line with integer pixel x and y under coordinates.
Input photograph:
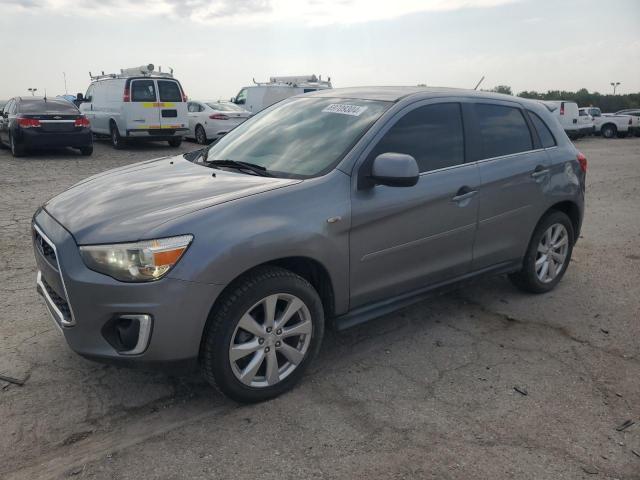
{"type": "Point", "coordinates": [297, 81]}
{"type": "Point", "coordinates": [142, 71]}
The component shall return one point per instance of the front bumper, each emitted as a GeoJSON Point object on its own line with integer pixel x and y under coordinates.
{"type": "Point", "coordinates": [83, 304]}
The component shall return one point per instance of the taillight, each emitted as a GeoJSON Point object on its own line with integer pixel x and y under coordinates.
{"type": "Point", "coordinates": [82, 122]}
{"type": "Point", "coordinates": [126, 97]}
{"type": "Point", "coordinates": [184, 96]}
{"type": "Point", "coordinates": [28, 122]}
{"type": "Point", "coordinates": [218, 116]}
{"type": "Point", "coordinates": [582, 160]}
{"type": "Point", "coordinates": [562, 108]}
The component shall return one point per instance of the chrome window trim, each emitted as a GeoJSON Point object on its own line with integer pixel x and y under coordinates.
{"type": "Point", "coordinates": [64, 287]}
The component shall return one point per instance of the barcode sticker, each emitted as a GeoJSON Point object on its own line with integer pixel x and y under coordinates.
{"type": "Point", "coordinates": [344, 109]}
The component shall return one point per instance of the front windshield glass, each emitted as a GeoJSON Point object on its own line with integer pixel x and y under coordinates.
{"type": "Point", "coordinates": [300, 137]}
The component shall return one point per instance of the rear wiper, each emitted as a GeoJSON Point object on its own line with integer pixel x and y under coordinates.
{"type": "Point", "coordinates": [257, 169]}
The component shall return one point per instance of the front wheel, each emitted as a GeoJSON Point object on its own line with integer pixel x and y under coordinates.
{"type": "Point", "coordinates": [262, 335]}
{"type": "Point", "coordinates": [548, 254]}
{"type": "Point", "coordinates": [201, 135]}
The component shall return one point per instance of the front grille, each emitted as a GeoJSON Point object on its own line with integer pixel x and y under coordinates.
{"type": "Point", "coordinates": [59, 302]}
{"type": "Point", "coordinates": [45, 249]}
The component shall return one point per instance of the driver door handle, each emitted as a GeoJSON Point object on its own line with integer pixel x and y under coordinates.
{"type": "Point", "coordinates": [539, 171]}
{"type": "Point", "coordinates": [464, 193]}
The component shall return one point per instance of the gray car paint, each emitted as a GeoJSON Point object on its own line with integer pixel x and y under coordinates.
{"type": "Point", "coordinates": [379, 242]}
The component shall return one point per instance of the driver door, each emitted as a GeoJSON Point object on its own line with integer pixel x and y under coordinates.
{"type": "Point", "coordinates": [406, 238]}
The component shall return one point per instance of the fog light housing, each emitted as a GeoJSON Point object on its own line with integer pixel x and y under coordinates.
{"type": "Point", "coordinates": [129, 333]}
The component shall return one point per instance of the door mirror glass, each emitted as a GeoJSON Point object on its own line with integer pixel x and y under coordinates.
{"type": "Point", "coordinates": [395, 170]}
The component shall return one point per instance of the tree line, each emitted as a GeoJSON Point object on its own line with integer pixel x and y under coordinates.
{"type": "Point", "coordinates": [583, 97]}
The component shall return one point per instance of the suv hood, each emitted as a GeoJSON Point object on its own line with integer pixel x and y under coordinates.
{"type": "Point", "coordinates": [121, 205]}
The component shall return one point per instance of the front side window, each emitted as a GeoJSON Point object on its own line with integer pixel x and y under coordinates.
{"type": "Point", "coordinates": [503, 130]}
{"type": "Point", "coordinates": [169, 91]}
{"type": "Point", "coordinates": [89, 95]}
{"type": "Point", "coordinates": [546, 137]}
{"type": "Point", "coordinates": [432, 134]}
{"type": "Point", "coordinates": [241, 98]}
{"type": "Point", "coordinates": [595, 112]}
{"type": "Point", "coordinates": [299, 137]}
{"type": "Point", "coordinates": [193, 107]}
{"type": "Point", "coordinates": [143, 91]}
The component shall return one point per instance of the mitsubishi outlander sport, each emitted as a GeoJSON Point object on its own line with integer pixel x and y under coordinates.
{"type": "Point", "coordinates": [329, 208]}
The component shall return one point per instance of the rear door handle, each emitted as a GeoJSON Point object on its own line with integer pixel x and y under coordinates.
{"type": "Point", "coordinates": [463, 194]}
{"type": "Point", "coordinates": [540, 171]}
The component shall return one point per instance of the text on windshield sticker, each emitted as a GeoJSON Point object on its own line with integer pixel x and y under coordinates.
{"type": "Point", "coordinates": [344, 109]}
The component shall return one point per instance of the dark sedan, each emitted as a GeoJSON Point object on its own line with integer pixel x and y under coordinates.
{"type": "Point", "coordinates": [35, 122]}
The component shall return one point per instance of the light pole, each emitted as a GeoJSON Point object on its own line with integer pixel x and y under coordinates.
{"type": "Point", "coordinates": [64, 75]}
{"type": "Point", "coordinates": [615, 86]}
{"type": "Point", "coordinates": [32, 90]}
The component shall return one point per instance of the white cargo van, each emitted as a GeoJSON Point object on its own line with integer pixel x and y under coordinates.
{"type": "Point", "coordinates": [136, 104]}
{"type": "Point", "coordinates": [262, 95]}
{"type": "Point", "coordinates": [566, 113]}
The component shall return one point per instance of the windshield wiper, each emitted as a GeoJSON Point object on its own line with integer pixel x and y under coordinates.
{"type": "Point", "coordinates": [257, 169]}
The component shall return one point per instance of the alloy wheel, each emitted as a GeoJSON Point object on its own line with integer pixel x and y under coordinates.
{"type": "Point", "coordinates": [270, 340]}
{"type": "Point", "coordinates": [552, 253]}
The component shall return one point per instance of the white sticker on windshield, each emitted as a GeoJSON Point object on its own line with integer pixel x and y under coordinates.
{"type": "Point", "coordinates": [344, 109]}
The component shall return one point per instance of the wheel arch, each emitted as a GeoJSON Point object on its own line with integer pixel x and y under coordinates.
{"type": "Point", "coordinates": [572, 211]}
{"type": "Point", "coordinates": [308, 268]}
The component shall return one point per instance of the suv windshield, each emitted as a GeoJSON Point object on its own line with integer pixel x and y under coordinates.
{"type": "Point", "coordinates": [301, 137]}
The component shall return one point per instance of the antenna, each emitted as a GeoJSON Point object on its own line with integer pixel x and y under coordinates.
{"type": "Point", "coordinates": [45, 94]}
{"type": "Point", "coordinates": [479, 82]}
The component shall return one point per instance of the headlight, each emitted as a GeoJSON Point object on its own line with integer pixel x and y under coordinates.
{"type": "Point", "coordinates": [136, 262]}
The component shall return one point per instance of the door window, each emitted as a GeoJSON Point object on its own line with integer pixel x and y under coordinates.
{"type": "Point", "coordinates": [503, 130]}
{"type": "Point", "coordinates": [143, 91]}
{"type": "Point", "coordinates": [241, 98]}
{"type": "Point", "coordinates": [193, 107]}
{"type": "Point", "coordinates": [432, 134]}
{"type": "Point", "coordinates": [169, 91]}
{"type": "Point", "coordinates": [546, 137]}
{"type": "Point", "coordinates": [89, 95]}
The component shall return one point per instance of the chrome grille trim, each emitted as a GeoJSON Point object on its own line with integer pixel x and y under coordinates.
{"type": "Point", "coordinates": [63, 321]}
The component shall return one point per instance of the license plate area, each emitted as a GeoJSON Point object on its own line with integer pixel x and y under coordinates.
{"type": "Point", "coordinates": [169, 113]}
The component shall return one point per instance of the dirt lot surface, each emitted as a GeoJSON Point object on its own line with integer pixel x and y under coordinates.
{"type": "Point", "coordinates": [483, 383]}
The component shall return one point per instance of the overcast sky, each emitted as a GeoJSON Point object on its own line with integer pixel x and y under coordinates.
{"type": "Point", "coordinates": [218, 46]}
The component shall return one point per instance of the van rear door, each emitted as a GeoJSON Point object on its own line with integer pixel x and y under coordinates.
{"type": "Point", "coordinates": [143, 111]}
{"type": "Point", "coordinates": [173, 106]}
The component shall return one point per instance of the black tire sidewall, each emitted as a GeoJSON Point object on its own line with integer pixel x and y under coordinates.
{"type": "Point", "coordinates": [528, 273]}
{"type": "Point", "coordinates": [218, 357]}
{"type": "Point", "coordinates": [611, 129]}
{"type": "Point", "coordinates": [116, 139]}
{"type": "Point", "coordinates": [199, 128]}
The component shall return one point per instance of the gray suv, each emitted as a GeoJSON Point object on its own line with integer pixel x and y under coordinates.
{"type": "Point", "coordinates": [329, 208]}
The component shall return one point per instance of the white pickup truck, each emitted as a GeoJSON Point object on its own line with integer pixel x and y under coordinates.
{"type": "Point", "coordinates": [609, 125]}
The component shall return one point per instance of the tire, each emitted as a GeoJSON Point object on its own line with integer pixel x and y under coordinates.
{"type": "Point", "coordinates": [116, 139]}
{"type": "Point", "coordinates": [175, 142]}
{"type": "Point", "coordinates": [609, 131]}
{"type": "Point", "coordinates": [86, 151]}
{"type": "Point", "coordinates": [201, 135]}
{"type": "Point", "coordinates": [16, 150]}
{"type": "Point", "coordinates": [247, 297]}
{"type": "Point", "coordinates": [528, 278]}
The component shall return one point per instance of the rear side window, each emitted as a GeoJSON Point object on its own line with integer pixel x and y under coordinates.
{"type": "Point", "coordinates": [546, 137]}
{"type": "Point", "coordinates": [52, 106]}
{"type": "Point", "coordinates": [503, 130]}
{"type": "Point", "coordinates": [143, 91]}
{"type": "Point", "coordinates": [169, 91]}
{"type": "Point", "coordinates": [432, 134]}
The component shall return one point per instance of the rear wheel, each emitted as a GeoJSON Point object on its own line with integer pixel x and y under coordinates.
{"type": "Point", "coordinates": [175, 142]}
{"type": "Point", "coordinates": [609, 131]}
{"type": "Point", "coordinates": [548, 254]}
{"type": "Point", "coordinates": [86, 151]}
{"type": "Point", "coordinates": [116, 139]}
{"type": "Point", "coordinates": [201, 135]}
{"type": "Point", "coordinates": [263, 334]}
{"type": "Point", "coordinates": [16, 149]}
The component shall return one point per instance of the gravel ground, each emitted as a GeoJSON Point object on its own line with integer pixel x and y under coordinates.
{"type": "Point", "coordinates": [482, 383]}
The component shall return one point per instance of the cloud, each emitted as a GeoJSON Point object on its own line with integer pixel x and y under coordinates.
{"type": "Point", "coordinates": [304, 12]}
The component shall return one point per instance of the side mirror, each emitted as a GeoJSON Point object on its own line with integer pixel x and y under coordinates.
{"type": "Point", "coordinates": [232, 99]}
{"type": "Point", "coordinates": [395, 170]}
